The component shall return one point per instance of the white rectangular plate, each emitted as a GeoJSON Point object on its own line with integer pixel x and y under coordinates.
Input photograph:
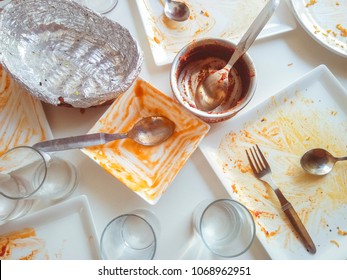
{"type": "Point", "coordinates": [227, 19]}
{"type": "Point", "coordinates": [22, 119]}
{"type": "Point", "coordinates": [310, 113]}
{"type": "Point", "coordinates": [64, 231]}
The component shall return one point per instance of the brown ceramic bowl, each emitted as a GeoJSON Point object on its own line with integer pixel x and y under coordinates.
{"type": "Point", "coordinates": [189, 64]}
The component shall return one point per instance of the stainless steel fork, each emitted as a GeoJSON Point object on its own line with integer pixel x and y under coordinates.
{"type": "Point", "coordinates": [262, 171]}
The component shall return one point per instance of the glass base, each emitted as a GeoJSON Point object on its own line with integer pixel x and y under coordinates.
{"type": "Point", "coordinates": [101, 6]}
{"type": "Point", "coordinates": [11, 209]}
{"type": "Point", "coordinates": [60, 182]}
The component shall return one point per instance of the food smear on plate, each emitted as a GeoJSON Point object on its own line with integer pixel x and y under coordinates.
{"type": "Point", "coordinates": [327, 21]}
{"type": "Point", "coordinates": [311, 3]}
{"type": "Point", "coordinates": [284, 131]}
{"type": "Point", "coordinates": [21, 118]}
{"type": "Point", "coordinates": [22, 245]}
{"type": "Point", "coordinates": [220, 19]}
{"type": "Point", "coordinates": [342, 29]}
{"type": "Point", "coordinates": [148, 171]}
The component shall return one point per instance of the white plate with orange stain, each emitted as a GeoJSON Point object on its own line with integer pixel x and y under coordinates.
{"type": "Point", "coordinates": [227, 19]}
{"type": "Point", "coordinates": [22, 119]}
{"type": "Point", "coordinates": [325, 21]}
{"type": "Point", "coordinates": [311, 112]}
{"type": "Point", "coordinates": [63, 231]}
{"type": "Point", "coordinates": [148, 171]}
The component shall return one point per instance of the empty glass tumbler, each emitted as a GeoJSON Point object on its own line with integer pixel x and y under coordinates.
{"type": "Point", "coordinates": [130, 236]}
{"type": "Point", "coordinates": [28, 175]}
{"type": "Point", "coordinates": [100, 6]}
{"type": "Point", "coordinates": [225, 226]}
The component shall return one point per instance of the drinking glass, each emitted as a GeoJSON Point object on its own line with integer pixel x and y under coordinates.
{"type": "Point", "coordinates": [130, 236]}
{"type": "Point", "coordinates": [225, 226]}
{"type": "Point", "coordinates": [28, 174]}
{"type": "Point", "coordinates": [11, 209]}
{"type": "Point", "coordinates": [100, 6]}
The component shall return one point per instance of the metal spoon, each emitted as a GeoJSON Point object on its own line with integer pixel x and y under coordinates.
{"type": "Point", "coordinates": [148, 131]}
{"type": "Point", "coordinates": [211, 92]}
{"type": "Point", "coordinates": [177, 11]}
{"type": "Point", "coordinates": [319, 161]}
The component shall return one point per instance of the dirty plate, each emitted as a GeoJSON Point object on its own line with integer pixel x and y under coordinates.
{"type": "Point", "coordinates": [148, 171]}
{"type": "Point", "coordinates": [227, 19]}
{"type": "Point", "coordinates": [64, 231]}
{"type": "Point", "coordinates": [325, 21]}
{"type": "Point", "coordinates": [309, 113]}
{"type": "Point", "coordinates": [22, 119]}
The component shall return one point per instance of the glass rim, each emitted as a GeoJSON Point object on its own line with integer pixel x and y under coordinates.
{"type": "Point", "coordinates": [109, 8]}
{"type": "Point", "coordinates": [125, 216]}
{"type": "Point", "coordinates": [44, 175]}
{"type": "Point", "coordinates": [253, 227]}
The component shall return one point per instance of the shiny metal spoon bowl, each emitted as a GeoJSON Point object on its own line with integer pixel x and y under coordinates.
{"type": "Point", "coordinates": [149, 131]}
{"type": "Point", "coordinates": [177, 11]}
{"type": "Point", "coordinates": [319, 161]}
{"type": "Point", "coordinates": [211, 92]}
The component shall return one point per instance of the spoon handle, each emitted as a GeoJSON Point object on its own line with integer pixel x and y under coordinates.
{"type": "Point", "coordinates": [341, 158]}
{"type": "Point", "coordinates": [78, 142]}
{"type": "Point", "coordinates": [253, 31]}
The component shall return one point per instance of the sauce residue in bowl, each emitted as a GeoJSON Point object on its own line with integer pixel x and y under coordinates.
{"type": "Point", "coordinates": [197, 64]}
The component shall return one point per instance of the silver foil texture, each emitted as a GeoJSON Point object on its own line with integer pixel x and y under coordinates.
{"type": "Point", "coordinates": [65, 54]}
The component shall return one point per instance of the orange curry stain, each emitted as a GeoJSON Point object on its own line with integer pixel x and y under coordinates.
{"type": "Point", "coordinates": [342, 30]}
{"type": "Point", "coordinates": [267, 233]}
{"type": "Point", "coordinates": [23, 131]}
{"type": "Point", "coordinates": [156, 39]}
{"type": "Point", "coordinates": [8, 242]}
{"type": "Point", "coordinates": [258, 214]}
{"type": "Point", "coordinates": [233, 186]}
{"type": "Point", "coordinates": [335, 243]}
{"type": "Point", "coordinates": [143, 171]}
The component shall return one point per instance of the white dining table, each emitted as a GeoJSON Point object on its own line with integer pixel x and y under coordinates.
{"type": "Point", "coordinates": [280, 60]}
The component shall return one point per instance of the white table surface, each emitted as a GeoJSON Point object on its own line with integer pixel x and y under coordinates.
{"type": "Point", "coordinates": [279, 61]}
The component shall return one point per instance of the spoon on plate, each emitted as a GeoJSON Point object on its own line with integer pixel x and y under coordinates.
{"type": "Point", "coordinates": [177, 11]}
{"type": "Point", "coordinates": [212, 91]}
{"type": "Point", "coordinates": [319, 161]}
{"type": "Point", "coordinates": [149, 131]}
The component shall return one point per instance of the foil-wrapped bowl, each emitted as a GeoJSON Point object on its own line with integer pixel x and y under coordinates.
{"type": "Point", "coordinates": [65, 54]}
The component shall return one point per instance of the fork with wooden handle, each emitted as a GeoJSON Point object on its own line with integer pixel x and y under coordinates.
{"type": "Point", "coordinates": [262, 171]}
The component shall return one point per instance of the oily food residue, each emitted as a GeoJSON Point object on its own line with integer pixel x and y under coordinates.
{"type": "Point", "coordinates": [20, 118]}
{"type": "Point", "coordinates": [220, 19]}
{"type": "Point", "coordinates": [329, 22]}
{"type": "Point", "coordinates": [284, 132]}
{"type": "Point", "coordinates": [23, 245]}
{"type": "Point", "coordinates": [146, 170]}
{"type": "Point", "coordinates": [201, 61]}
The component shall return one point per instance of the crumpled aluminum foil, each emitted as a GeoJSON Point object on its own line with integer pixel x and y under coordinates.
{"type": "Point", "coordinates": [65, 54]}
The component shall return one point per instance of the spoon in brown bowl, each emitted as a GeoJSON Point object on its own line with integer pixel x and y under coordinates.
{"type": "Point", "coordinates": [177, 11]}
{"type": "Point", "coordinates": [319, 161]}
{"type": "Point", "coordinates": [212, 91]}
{"type": "Point", "coordinates": [149, 131]}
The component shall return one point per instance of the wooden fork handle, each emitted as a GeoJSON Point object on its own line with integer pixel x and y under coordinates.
{"type": "Point", "coordinates": [294, 219]}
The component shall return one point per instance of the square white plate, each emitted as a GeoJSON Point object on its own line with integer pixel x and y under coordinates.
{"type": "Point", "coordinates": [309, 113]}
{"type": "Point", "coordinates": [63, 231]}
{"type": "Point", "coordinates": [148, 171]}
{"type": "Point", "coordinates": [227, 19]}
{"type": "Point", "coordinates": [22, 119]}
